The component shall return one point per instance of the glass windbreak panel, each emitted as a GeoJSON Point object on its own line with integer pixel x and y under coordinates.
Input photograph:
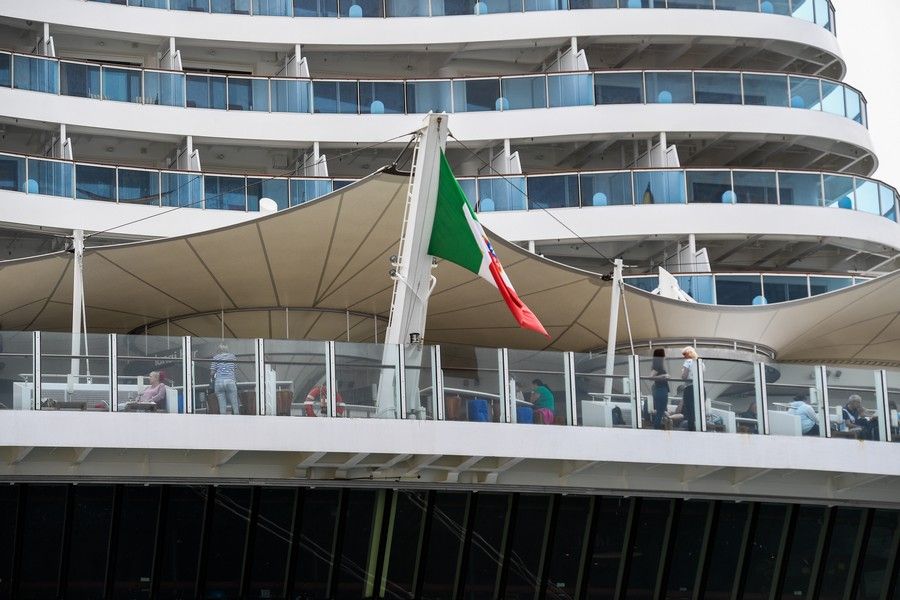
{"type": "Point", "coordinates": [50, 178]}
{"type": "Point", "coordinates": [36, 74]}
{"type": "Point", "coordinates": [407, 8]}
{"type": "Point", "coordinates": [79, 79]}
{"type": "Point", "coordinates": [304, 190]}
{"type": "Point", "coordinates": [192, 5]}
{"type": "Point", "coordinates": [138, 187]}
{"type": "Point", "coordinates": [888, 202]}
{"type": "Point", "coordinates": [501, 194]}
{"type": "Point", "coordinates": [552, 191]}
{"type": "Point", "coordinates": [662, 404]}
{"type": "Point", "coordinates": [476, 95]}
{"type": "Point", "coordinates": [538, 384]}
{"type": "Point", "coordinates": [233, 7]}
{"type": "Point", "coordinates": [743, 5]}
{"type": "Point", "coordinates": [123, 85]}
{"type": "Point", "coordinates": [794, 400]}
{"type": "Point", "coordinates": [739, 290]}
{"type": "Point", "coordinates": [800, 189]}
{"type": "Point", "coordinates": [619, 88]}
{"type": "Point", "coordinates": [5, 69]}
{"type": "Point", "coordinates": [248, 94]}
{"type": "Point", "coordinates": [803, 9]}
{"type": "Point", "coordinates": [893, 407]}
{"type": "Point", "coordinates": [763, 550]}
{"type": "Point", "coordinates": [95, 183]}
{"type": "Point", "coordinates": [580, 4]}
{"type": "Point", "coordinates": [766, 90]}
{"type": "Point", "coordinates": [224, 376]}
{"type": "Point", "coordinates": [646, 547]}
{"type": "Point", "coordinates": [781, 288]}
{"type": "Point", "coordinates": [570, 90]}
{"type": "Point", "coordinates": [489, 524]}
{"type": "Point", "coordinates": [367, 383]}
{"type": "Point", "coordinates": [866, 193]}
{"type": "Point", "coordinates": [471, 384]}
{"type": "Point", "coordinates": [839, 191]}
{"type": "Point", "coordinates": [659, 187]}
{"type": "Point", "coordinates": [805, 93]}
{"type": "Point", "coordinates": [526, 546]}
{"type": "Point", "coordinates": [381, 97]}
{"type": "Point", "coordinates": [648, 284]}
{"type": "Point", "coordinates": [733, 404]}
{"type": "Point", "coordinates": [523, 92]}
{"type": "Point", "coordinates": [823, 13]}
{"type": "Point", "coordinates": [699, 287]}
{"type": "Point", "coordinates": [606, 189]}
{"type": "Point", "coordinates": [12, 173]}
{"type": "Point", "coordinates": [296, 379]}
{"type": "Point", "coordinates": [567, 542]}
{"type": "Point", "coordinates": [821, 285]}
{"type": "Point", "coordinates": [335, 97]}
{"type": "Point", "coordinates": [74, 375]}
{"type": "Point", "coordinates": [833, 98]}
{"type": "Point", "coordinates": [854, 105]}
{"type": "Point", "coordinates": [803, 550]}
{"type": "Point", "coordinates": [150, 374]}
{"type": "Point", "coordinates": [291, 95]}
{"type": "Point", "coordinates": [712, 187]}
{"type": "Point", "coordinates": [604, 399]}
{"type": "Point", "coordinates": [701, 4]}
{"type": "Point", "coordinates": [273, 189]}
{"type": "Point", "coordinates": [315, 8]}
{"type": "Point", "coordinates": [755, 187]}
{"type": "Point", "coordinates": [469, 189]}
{"type": "Point", "coordinates": [424, 96]}
{"type": "Point", "coordinates": [340, 183]}
{"type": "Point", "coordinates": [134, 542]}
{"type": "Point", "coordinates": [853, 406]}
{"type": "Point", "coordinates": [16, 370]}
{"type": "Point", "coordinates": [718, 88]}
{"type": "Point", "coordinates": [272, 8]}
{"type": "Point", "coordinates": [669, 88]}
{"type": "Point", "coordinates": [271, 541]}
{"type": "Point", "coordinates": [226, 536]}
{"type": "Point", "coordinates": [533, 5]}
{"type": "Point", "coordinates": [181, 189]}
{"type": "Point", "coordinates": [360, 8]}
{"type": "Point", "coordinates": [204, 91]}
{"type": "Point", "coordinates": [418, 370]}
{"type": "Point", "coordinates": [442, 546]}
{"type": "Point", "coordinates": [163, 88]}
{"type": "Point", "coordinates": [605, 549]}
{"type": "Point", "coordinates": [224, 193]}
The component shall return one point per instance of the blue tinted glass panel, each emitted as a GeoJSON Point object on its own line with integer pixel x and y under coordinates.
{"type": "Point", "coordinates": [659, 187]}
{"type": "Point", "coordinates": [776, 7]}
{"type": "Point", "coordinates": [166, 89]}
{"type": "Point", "coordinates": [699, 287]}
{"type": "Point", "coordinates": [580, 4]}
{"type": "Point", "coordinates": [669, 88]}
{"type": "Point", "coordinates": [821, 285]}
{"type": "Point", "coordinates": [381, 97]}
{"type": "Point", "coordinates": [854, 105]}
{"type": "Point", "coordinates": [552, 191]}
{"type": "Point", "coordinates": [648, 284]}
{"type": "Point", "coordinates": [149, 3]}
{"type": "Point", "coordinates": [49, 178]}
{"type": "Point", "coordinates": [833, 98]}
{"type": "Point", "coordinates": [424, 96]}
{"type": "Point", "coordinates": [839, 191]}
{"type": "Point", "coordinates": [360, 8]}
{"type": "Point", "coordinates": [800, 189]}
{"type": "Point", "coordinates": [533, 5]}
{"type": "Point", "coordinates": [304, 190]}
{"type": "Point", "coordinates": [205, 92]}
{"type": "Point", "coordinates": [290, 95]}
{"type": "Point", "coordinates": [138, 187]}
{"type": "Point", "coordinates": [273, 189]}
{"type": "Point", "coordinates": [523, 92]}
{"type": "Point", "coordinates": [335, 97]}
{"type": "Point", "coordinates": [248, 94]}
{"type": "Point", "coordinates": [315, 8]}
{"type": "Point", "coordinates": [272, 8]}
{"type": "Point", "coordinates": [5, 69]}
{"type": "Point", "coordinates": [123, 85]}
{"type": "Point", "coordinates": [232, 7]}
{"type": "Point", "coordinates": [766, 90]}
{"type": "Point", "coordinates": [457, 7]}
{"type": "Point", "coordinates": [702, 4]}
{"type": "Point", "coordinates": [606, 189]}
{"type": "Point", "coordinates": [12, 173]}
{"type": "Point", "coordinates": [781, 288]}
{"type": "Point", "coordinates": [743, 5]}
{"type": "Point", "coordinates": [755, 187]}
{"type": "Point", "coordinates": [710, 187]}
{"type": "Point", "coordinates": [571, 90]}
{"type": "Point", "coordinates": [192, 5]}
{"type": "Point", "coordinates": [95, 183]}
{"type": "Point", "coordinates": [803, 9]}
{"type": "Point", "coordinates": [888, 202]}
{"type": "Point", "coordinates": [718, 88]}
{"type": "Point", "coordinates": [805, 93]}
{"type": "Point", "coordinates": [477, 95]}
{"type": "Point", "coordinates": [737, 290]}
{"type": "Point", "coordinates": [619, 88]}
{"type": "Point", "coordinates": [469, 189]}
{"type": "Point", "coordinates": [77, 79]}
{"type": "Point", "coordinates": [182, 189]}
{"type": "Point", "coordinates": [501, 194]}
{"type": "Point", "coordinates": [407, 8]}
{"type": "Point", "coordinates": [224, 193]}
{"type": "Point", "coordinates": [36, 74]}
{"type": "Point", "coordinates": [340, 183]}
{"type": "Point", "coordinates": [867, 196]}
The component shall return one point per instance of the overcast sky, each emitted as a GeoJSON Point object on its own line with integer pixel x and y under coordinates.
{"type": "Point", "coordinates": [867, 32]}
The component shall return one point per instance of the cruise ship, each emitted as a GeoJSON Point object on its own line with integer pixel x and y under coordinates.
{"type": "Point", "coordinates": [234, 365]}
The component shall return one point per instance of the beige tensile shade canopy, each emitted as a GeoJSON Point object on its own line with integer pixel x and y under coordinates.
{"type": "Point", "coordinates": [324, 266]}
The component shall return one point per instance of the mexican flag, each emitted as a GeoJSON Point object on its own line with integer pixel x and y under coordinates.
{"type": "Point", "coordinates": [457, 236]}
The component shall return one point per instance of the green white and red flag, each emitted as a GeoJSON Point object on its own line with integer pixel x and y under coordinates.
{"type": "Point", "coordinates": [457, 236]}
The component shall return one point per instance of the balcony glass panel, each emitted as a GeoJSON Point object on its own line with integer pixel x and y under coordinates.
{"type": "Point", "coordinates": [420, 400]}
{"type": "Point", "coordinates": [604, 399]}
{"type": "Point", "coordinates": [381, 97]}
{"type": "Point", "coordinates": [366, 376]}
{"type": "Point", "coordinates": [469, 189]}
{"type": "Point", "coordinates": [149, 3]}
{"type": "Point", "coordinates": [204, 91]}
{"type": "Point", "coordinates": [642, 3]}
{"type": "Point", "coordinates": [17, 370]}
{"type": "Point", "coordinates": [476, 95]}
{"type": "Point", "coordinates": [138, 357]}
{"type": "Point", "coordinates": [407, 8]}
{"type": "Point", "coordinates": [888, 202]}
{"type": "Point", "coordinates": [50, 178]}
{"type": "Point", "coordinates": [648, 284]}
{"type": "Point", "coordinates": [533, 5]}
{"type": "Point", "coordinates": [95, 183]}
{"type": "Point", "coordinates": [800, 189]}
{"type": "Point", "coordinates": [776, 7]}
{"type": "Point", "coordinates": [339, 183]}
{"type": "Point", "coordinates": [571, 90]}
{"type": "Point", "coordinates": [854, 105]}
{"type": "Point", "coordinates": [163, 88]}
{"type": "Point", "coordinates": [606, 189]}
{"type": "Point", "coordinates": [75, 380]}
{"type": "Point", "coordinates": [79, 79]}
{"type": "Point", "coordinates": [893, 385]}
{"type": "Point", "coordinates": [619, 88]}
{"type": "Point", "coordinates": [123, 85]}
{"type": "Point", "coordinates": [853, 406]}
{"type": "Point", "coordinates": [755, 187]}
{"type": "Point", "coordinates": [766, 90]}
{"type": "Point", "coordinates": [191, 5]}
{"type": "Point", "coordinates": [523, 92]}
{"type": "Point", "coordinates": [272, 8]}
{"type": "Point", "coordinates": [738, 290]}
{"type": "Point", "coordinates": [424, 96]}
{"type": "Point", "coordinates": [718, 88]}
{"type": "Point", "coordinates": [839, 191]}
{"type": "Point", "coordinates": [231, 7]}
{"type": "Point", "coordinates": [659, 187]}
{"type": "Point", "coordinates": [805, 93]}
{"type": "Point", "coordinates": [471, 384]}
{"type": "Point", "coordinates": [12, 173]}
{"type": "Point", "coordinates": [224, 193]}
{"type": "Point", "coordinates": [36, 74]}
{"type": "Point", "coordinates": [742, 5]}
{"type": "Point", "coordinates": [794, 401]}
{"type": "Point", "coordinates": [335, 97]}
{"type": "Point", "coordinates": [538, 385]}
{"type": "Point", "coordinates": [304, 190]}
{"type": "Point", "coordinates": [781, 288]}
{"type": "Point", "coordinates": [712, 187]}
{"type": "Point", "coordinates": [867, 196]}
{"type": "Point", "coordinates": [224, 376]}
{"type": "Point", "coordinates": [495, 193]}
{"type": "Point", "coordinates": [138, 186]}
{"type": "Point", "coordinates": [702, 4]}
{"type": "Point", "coordinates": [579, 4]}
{"type": "Point", "coordinates": [361, 8]}
{"type": "Point", "coordinates": [291, 95]}
{"type": "Point", "coordinates": [669, 88]}
{"type": "Point", "coordinates": [181, 189]}
{"type": "Point", "coordinates": [5, 70]}
{"type": "Point", "coordinates": [732, 402]}
{"type": "Point", "coordinates": [248, 94]}
{"type": "Point", "coordinates": [803, 9]}
{"type": "Point", "coordinates": [273, 189]}
{"type": "Point", "coordinates": [699, 287]}
{"type": "Point", "coordinates": [299, 370]}
{"type": "Point", "coordinates": [833, 98]}
{"type": "Point", "coordinates": [315, 8]}
{"type": "Point", "coordinates": [821, 285]}
{"type": "Point", "coordinates": [552, 191]}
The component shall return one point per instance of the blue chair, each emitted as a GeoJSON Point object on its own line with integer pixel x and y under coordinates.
{"type": "Point", "coordinates": [31, 186]}
{"type": "Point", "coordinates": [599, 199]}
{"type": "Point", "coordinates": [481, 8]}
{"type": "Point", "coordinates": [767, 7]}
{"type": "Point", "coordinates": [797, 101]}
{"type": "Point", "coordinates": [664, 97]}
{"type": "Point", "coordinates": [478, 410]}
{"type": "Point", "coordinates": [760, 301]}
{"type": "Point", "coordinates": [355, 11]}
{"type": "Point", "coordinates": [845, 202]}
{"type": "Point", "coordinates": [485, 205]}
{"type": "Point", "coordinates": [524, 414]}
{"type": "Point", "coordinates": [729, 197]}
{"type": "Point", "coordinates": [377, 107]}
{"type": "Point", "coordinates": [502, 103]}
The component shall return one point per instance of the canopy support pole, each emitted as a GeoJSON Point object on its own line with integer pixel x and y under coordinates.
{"type": "Point", "coordinates": [614, 300]}
{"type": "Point", "coordinates": [77, 306]}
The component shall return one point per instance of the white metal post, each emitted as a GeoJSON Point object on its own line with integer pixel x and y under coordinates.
{"type": "Point", "coordinates": [260, 377]}
{"type": "Point", "coordinates": [615, 298]}
{"type": "Point", "coordinates": [762, 403]}
{"type": "Point", "coordinates": [114, 371]}
{"type": "Point", "coordinates": [332, 380]}
{"type": "Point", "coordinates": [77, 300]}
{"type": "Point", "coordinates": [571, 389]}
{"type": "Point", "coordinates": [822, 385]}
{"type": "Point", "coordinates": [187, 371]}
{"type": "Point", "coordinates": [36, 368]}
{"type": "Point", "coordinates": [437, 384]}
{"type": "Point", "coordinates": [507, 404]}
{"type": "Point", "coordinates": [634, 372]}
{"type": "Point", "coordinates": [881, 400]}
{"type": "Point", "coordinates": [699, 395]}
{"type": "Point", "coordinates": [401, 378]}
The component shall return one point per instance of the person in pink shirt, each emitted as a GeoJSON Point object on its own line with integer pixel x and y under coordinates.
{"type": "Point", "coordinates": [155, 392]}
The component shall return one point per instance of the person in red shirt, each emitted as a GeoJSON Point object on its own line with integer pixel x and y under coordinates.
{"type": "Point", "coordinates": [319, 396]}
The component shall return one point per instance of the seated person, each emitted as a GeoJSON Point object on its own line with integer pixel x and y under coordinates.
{"type": "Point", "coordinates": [544, 403]}
{"type": "Point", "coordinates": [809, 421]}
{"type": "Point", "coordinates": [155, 392]}
{"type": "Point", "coordinates": [319, 395]}
{"type": "Point", "coordinates": [855, 419]}
{"type": "Point", "coordinates": [750, 413]}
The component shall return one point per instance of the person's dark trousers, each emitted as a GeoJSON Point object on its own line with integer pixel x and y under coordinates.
{"type": "Point", "coordinates": [814, 431]}
{"type": "Point", "coordinates": [660, 404]}
{"type": "Point", "coordinates": [687, 406]}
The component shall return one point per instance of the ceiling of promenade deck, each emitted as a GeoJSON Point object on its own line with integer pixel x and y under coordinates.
{"type": "Point", "coordinates": [327, 263]}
